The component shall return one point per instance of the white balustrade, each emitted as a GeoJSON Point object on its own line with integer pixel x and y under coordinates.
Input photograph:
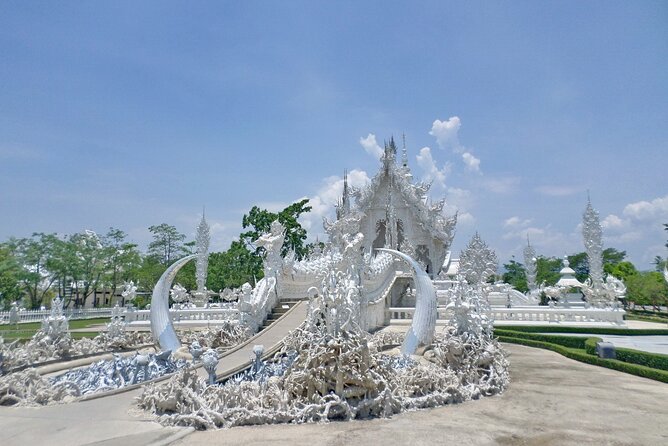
{"type": "Point", "coordinates": [532, 314]}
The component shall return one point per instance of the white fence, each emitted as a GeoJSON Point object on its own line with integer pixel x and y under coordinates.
{"type": "Point", "coordinates": [190, 314]}
{"type": "Point", "coordinates": [38, 315]}
{"type": "Point", "coordinates": [532, 315]}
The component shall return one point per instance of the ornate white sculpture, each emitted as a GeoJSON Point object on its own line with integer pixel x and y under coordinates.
{"type": "Point", "coordinates": [55, 325]}
{"type": "Point", "coordinates": [470, 310]}
{"type": "Point", "coordinates": [477, 262]}
{"type": "Point", "coordinates": [272, 242]}
{"type": "Point", "coordinates": [530, 266]}
{"type": "Point", "coordinates": [161, 321]}
{"type": "Point", "coordinates": [424, 319]}
{"type": "Point", "coordinates": [179, 294]}
{"type": "Point", "coordinates": [210, 361]}
{"type": "Point", "coordinates": [116, 327]}
{"type": "Point", "coordinates": [592, 235]}
{"type": "Point", "coordinates": [129, 291]}
{"type": "Point", "coordinates": [202, 239]}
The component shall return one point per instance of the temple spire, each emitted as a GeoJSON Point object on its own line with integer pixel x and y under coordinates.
{"type": "Point", "coordinates": [404, 156]}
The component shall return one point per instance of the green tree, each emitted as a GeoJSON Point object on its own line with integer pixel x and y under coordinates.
{"type": "Point", "coordinates": [623, 270]}
{"type": "Point", "coordinates": [515, 275]}
{"type": "Point", "coordinates": [186, 276]}
{"type": "Point", "coordinates": [167, 244]}
{"type": "Point", "coordinates": [234, 267]}
{"type": "Point", "coordinates": [259, 221]}
{"type": "Point", "coordinates": [547, 270]}
{"type": "Point", "coordinates": [10, 289]}
{"type": "Point", "coordinates": [647, 288]}
{"type": "Point", "coordinates": [148, 273]}
{"type": "Point", "coordinates": [33, 256]}
{"type": "Point", "coordinates": [659, 263]}
{"type": "Point", "coordinates": [122, 259]}
{"type": "Point", "coordinates": [580, 265]}
{"type": "Point", "coordinates": [88, 265]}
{"type": "Point", "coordinates": [611, 258]}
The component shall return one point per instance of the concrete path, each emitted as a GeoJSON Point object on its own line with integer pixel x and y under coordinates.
{"type": "Point", "coordinates": [101, 421]}
{"type": "Point", "coordinates": [551, 401]}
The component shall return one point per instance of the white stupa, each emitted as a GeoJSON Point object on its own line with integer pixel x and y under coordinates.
{"type": "Point", "coordinates": [567, 281]}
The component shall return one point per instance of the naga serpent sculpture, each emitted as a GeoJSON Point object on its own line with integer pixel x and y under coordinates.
{"type": "Point", "coordinates": [162, 327]}
{"type": "Point", "coordinates": [424, 319]}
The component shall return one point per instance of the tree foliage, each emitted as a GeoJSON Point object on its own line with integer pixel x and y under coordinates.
{"type": "Point", "coordinates": [647, 288]}
{"type": "Point", "coordinates": [515, 275]}
{"type": "Point", "coordinates": [37, 260]}
{"type": "Point", "coordinates": [234, 267]}
{"type": "Point", "coordinates": [259, 221]}
{"type": "Point", "coordinates": [10, 290]}
{"type": "Point", "coordinates": [167, 245]}
{"type": "Point", "coordinates": [547, 270]}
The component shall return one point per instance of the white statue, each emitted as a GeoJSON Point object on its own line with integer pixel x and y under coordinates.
{"type": "Point", "coordinates": [477, 262]}
{"type": "Point", "coordinates": [179, 294]}
{"type": "Point", "coordinates": [129, 291]}
{"type": "Point", "coordinates": [272, 242]}
{"type": "Point", "coordinates": [203, 237]}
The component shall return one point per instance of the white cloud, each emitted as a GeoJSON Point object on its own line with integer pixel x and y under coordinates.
{"type": "Point", "coordinates": [501, 185]}
{"type": "Point", "coordinates": [447, 137]}
{"type": "Point", "coordinates": [614, 222]}
{"type": "Point", "coordinates": [648, 210]}
{"type": "Point", "coordinates": [472, 163]}
{"type": "Point", "coordinates": [558, 191]}
{"type": "Point", "coordinates": [445, 133]}
{"type": "Point", "coordinates": [516, 221]}
{"type": "Point", "coordinates": [459, 201]}
{"type": "Point", "coordinates": [465, 219]}
{"type": "Point", "coordinates": [641, 223]}
{"type": "Point", "coordinates": [431, 171]}
{"type": "Point", "coordinates": [546, 240]}
{"type": "Point", "coordinates": [371, 146]}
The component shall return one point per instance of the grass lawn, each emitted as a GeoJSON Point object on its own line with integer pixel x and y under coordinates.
{"type": "Point", "coordinates": [26, 331]}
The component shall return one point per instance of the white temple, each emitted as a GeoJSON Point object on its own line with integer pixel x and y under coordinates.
{"type": "Point", "coordinates": [393, 212]}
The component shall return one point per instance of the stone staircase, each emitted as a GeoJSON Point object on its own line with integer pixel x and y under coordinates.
{"type": "Point", "coordinates": [279, 310]}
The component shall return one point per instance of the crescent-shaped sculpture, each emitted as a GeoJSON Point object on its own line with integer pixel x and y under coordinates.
{"type": "Point", "coordinates": [162, 327]}
{"type": "Point", "coordinates": [424, 319]}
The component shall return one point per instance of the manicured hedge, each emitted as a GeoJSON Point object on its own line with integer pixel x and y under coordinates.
{"type": "Point", "coordinates": [566, 341]}
{"type": "Point", "coordinates": [649, 313]}
{"type": "Point", "coordinates": [653, 360]}
{"type": "Point", "coordinates": [583, 356]}
{"type": "Point", "coordinates": [655, 319]}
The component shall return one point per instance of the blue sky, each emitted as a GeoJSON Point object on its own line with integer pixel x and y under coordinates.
{"type": "Point", "coordinates": [130, 114]}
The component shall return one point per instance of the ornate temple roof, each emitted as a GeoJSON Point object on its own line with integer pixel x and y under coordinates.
{"type": "Point", "coordinates": [399, 177]}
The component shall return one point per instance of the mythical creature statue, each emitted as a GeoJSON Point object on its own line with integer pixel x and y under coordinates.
{"type": "Point", "coordinates": [272, 242]}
